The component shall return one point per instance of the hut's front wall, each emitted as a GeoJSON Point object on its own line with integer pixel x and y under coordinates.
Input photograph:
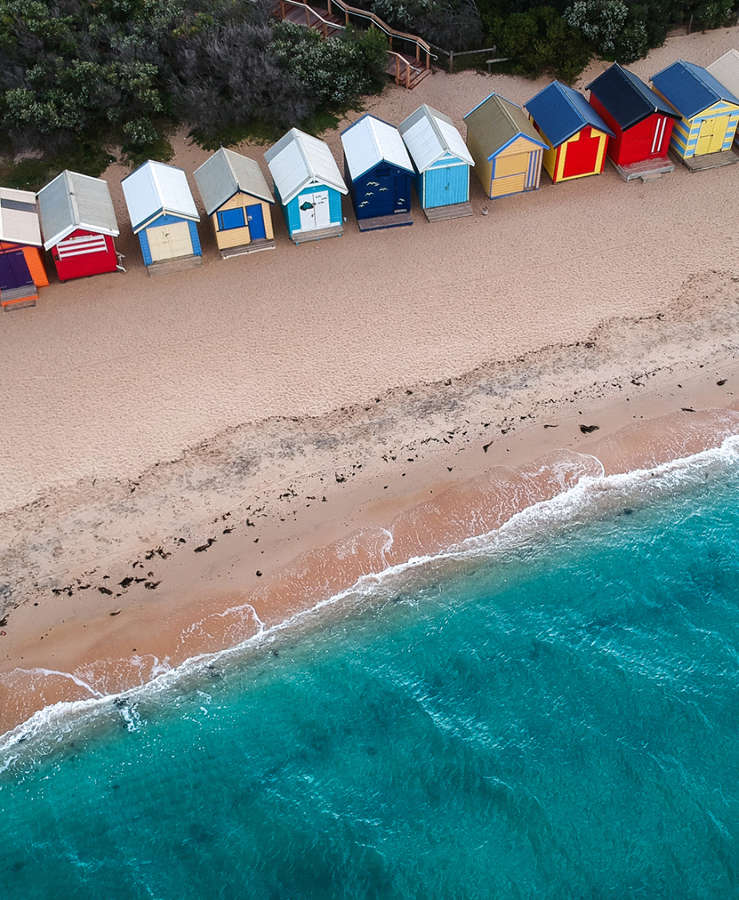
{"type": "Point", "coordinates": [383, 191]}
{"type": "Point", "coordinates": [583, 154]}
{"type": "Point", "coordinates": [256, 217]}
{"type": "Point", "coordinates": [169, 237]}
{"type": "Point", "coordinates": [33, 260]}
{"type": "Point", "coordinates": [84, 253]}
{"type": "Point", "coordinates": [710, 132]}
{"type": "Point", "coordinates": [516, 168]}
{"type": "Point", "coordinates": [317, 206]}
{"type": "Point", "coordinates": [648, 139]}
{"type": "Point", "coordinates": [447, 182]}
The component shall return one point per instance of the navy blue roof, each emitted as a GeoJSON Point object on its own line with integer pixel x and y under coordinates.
{"type": "Point", "coordinates": [627, 98]}
{"type": "Point", "coordinates": [560, 112]}
{"type": "Point", "coordinates": [691, 88]}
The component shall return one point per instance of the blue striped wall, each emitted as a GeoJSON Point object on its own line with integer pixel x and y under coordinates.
{"type": "Point", "coordinates": [685, 132]}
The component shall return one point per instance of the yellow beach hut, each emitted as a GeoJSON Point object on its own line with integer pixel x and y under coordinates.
{"type": "Point", "coordinates": [506, 147]}
{"type": "Point", "coordinates": [709, 111]}
{"type": "Point", "coordinates": [237, 198]}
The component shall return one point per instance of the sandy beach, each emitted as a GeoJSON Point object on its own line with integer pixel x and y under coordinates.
{"type": "Point", "coordinates": [186, 459]}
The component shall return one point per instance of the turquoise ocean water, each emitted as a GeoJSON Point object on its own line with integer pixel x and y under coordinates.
{"type": "Point", "coordinates": [550, 711]}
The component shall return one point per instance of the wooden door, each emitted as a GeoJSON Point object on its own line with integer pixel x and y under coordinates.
{"type": "Point", "coordinates": [582, 155]}
{"type": "Point", "coordinates": [169, 241]}
{"type": "Point", "coordinates": [711, 135]}
{"type": "Point", "coordinates": [510, 174]}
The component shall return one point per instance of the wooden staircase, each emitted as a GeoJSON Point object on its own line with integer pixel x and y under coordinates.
{"type": "Point", "coordinates": [409, 56]}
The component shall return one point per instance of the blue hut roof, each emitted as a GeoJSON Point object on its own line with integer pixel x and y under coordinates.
{"type": "Point", "coordinates": [691, 88]}
{"type": "Point", "coordinates": [560, 112]}
{"type": "Point", "coordinates": [627, 98]}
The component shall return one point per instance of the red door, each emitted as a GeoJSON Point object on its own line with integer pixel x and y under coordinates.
{"type": "Point", "coordinates": [582, 155]}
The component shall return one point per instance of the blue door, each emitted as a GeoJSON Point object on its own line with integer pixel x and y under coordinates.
{"type": "Point", "coordinates": [255, 219]}
{"type": "Point", "coordinates": [14, 271]}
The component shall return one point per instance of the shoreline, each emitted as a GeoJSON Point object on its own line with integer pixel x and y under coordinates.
{"type": "Point", "coordinates": [213, 600]}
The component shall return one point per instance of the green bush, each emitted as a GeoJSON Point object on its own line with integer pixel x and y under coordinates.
{"type": "Point", "coordinates": [541, 41]}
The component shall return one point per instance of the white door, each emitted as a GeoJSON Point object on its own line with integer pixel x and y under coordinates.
{"type": "Point", "coordinates": [315, 211]}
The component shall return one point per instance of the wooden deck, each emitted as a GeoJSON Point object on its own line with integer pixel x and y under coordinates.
{"type": "Point", "coordinates": [178, 264]}
{"type": "Point", "coordinates": [243, 249]}
{"type": "Point", "coordinates": [325, 22]}
{"type": "Point", "coordinates": [377, 222]}
{"type": "Point", "coordinates": [453, 211]}
{"type": "Point", "coordinates": [646, 170]}
{"type": "Point", "coordinates": [18, 298]}
{"type": "Point", "coordinates": [302, 237]}
{"type": "Point", "coordinates": [709, 160]}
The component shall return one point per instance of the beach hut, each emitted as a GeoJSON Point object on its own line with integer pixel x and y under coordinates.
{"type": "Point", "coordinates": [379, 173]}
{"type": "Point", "coordinates": [442, 163]}
{"type": "Point", "coordinates": [78, 225]}
{"type": "Point", "coordinates": [163, 214]}
{"type": "Point", "coordinates": [641, 121]}
{"type": "Point", "coordinates": [309, 186]}
{"type": "Point", "coordinates": [709, 112]}
{"type": "Point", "coordinates": [726, 71]}
{"type": "Point", "coordinates": [21, 267]}
{"type": "Point", "coordinates": [506, 147]}
{"type": "Point", "coordinates": [237, 198]}
{"type": "Point", "coordinates": [576, 135]}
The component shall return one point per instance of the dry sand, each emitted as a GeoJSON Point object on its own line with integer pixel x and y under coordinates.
{"type": "Point", "coordinates": [144, 416]}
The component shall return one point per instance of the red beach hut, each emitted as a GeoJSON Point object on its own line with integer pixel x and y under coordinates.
{"type": "Point", "coordinates": [78, 224]}
{"type": "Point", "coordinates": [641, 120]}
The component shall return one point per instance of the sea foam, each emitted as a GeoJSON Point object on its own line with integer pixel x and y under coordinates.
{"type": "Point", "coordinates": [592, 497]}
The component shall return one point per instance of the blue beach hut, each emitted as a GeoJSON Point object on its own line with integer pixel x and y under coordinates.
{"type": "Point", "coordinates": [308, 185]}
{"type": "Point", "coordinates": [379, 172]}
{"type": "Point", "coordinates": [442, 163]}
{"type": "Point", "coordinates": [163, 214]}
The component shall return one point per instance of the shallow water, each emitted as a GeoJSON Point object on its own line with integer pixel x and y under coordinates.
{"type": "Point", "coordinates": [551, 716]}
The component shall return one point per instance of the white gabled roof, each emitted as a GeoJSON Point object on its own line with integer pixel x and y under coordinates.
{"type": "Point", "coordinates": [370, 141]}
{"type": "Point", "coordinates": [156, 189]}
{"type": "Point", "coordinates": [430, 135]}
{"type": "Point", "coordinates": [726, 70]}
{"type": "Point", "coordinates": [71, 201]}
{"type": "Point", "coordinates": [19, 222]}
{"type": "Point", "coordinates": [298, 159]}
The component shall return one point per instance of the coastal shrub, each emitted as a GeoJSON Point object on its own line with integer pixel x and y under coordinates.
{"type": "Point", "coordinates": [451, 24]}
{"type": "Point", "coordinates": [541, 41]}
{"type": "Point", "coordinates": [600, 21]}
{"type": "Point", "coordinates": [336, 71]}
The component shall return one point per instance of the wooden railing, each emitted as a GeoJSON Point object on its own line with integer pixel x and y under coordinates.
{"type": "Point", "coordinates": [418, 42]}
{"type": "Point", "coordinates": [349, 12]}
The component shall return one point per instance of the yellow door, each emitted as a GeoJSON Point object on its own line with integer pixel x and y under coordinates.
{"type": "Point", "coordinates": [169, 241]}
{"type": "Point", "coordinates": [711, 135]}
{"type": "Point", "coordinates": [511, 184]}
{"type": "Point", "coordinates": [510, 174]}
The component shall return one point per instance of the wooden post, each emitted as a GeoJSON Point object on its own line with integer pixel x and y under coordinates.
{"type": "Point", "coordinates": [408, 75]}
{"type": "Point", "coordinates": [346, 17]}
{"type": "Point", "coordinates": [307, 16]}
{"type": "Point", "coordinates": [418, 50]}
{"type": "Point", "coordinates": [451, 62]}
{"type": "Point", "coordinates": [282, 9]}
{"type": "Point", "coordinates": [397, 69]}
{"type": "Point", "coordinates": [328, 6]}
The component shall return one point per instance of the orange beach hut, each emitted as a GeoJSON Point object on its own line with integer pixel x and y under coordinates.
{"type": "Point", "coordinates": [22, 269]}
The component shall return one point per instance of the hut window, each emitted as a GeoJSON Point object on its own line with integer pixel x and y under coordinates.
{"type": "Point", "coordinates": [231, 218]}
